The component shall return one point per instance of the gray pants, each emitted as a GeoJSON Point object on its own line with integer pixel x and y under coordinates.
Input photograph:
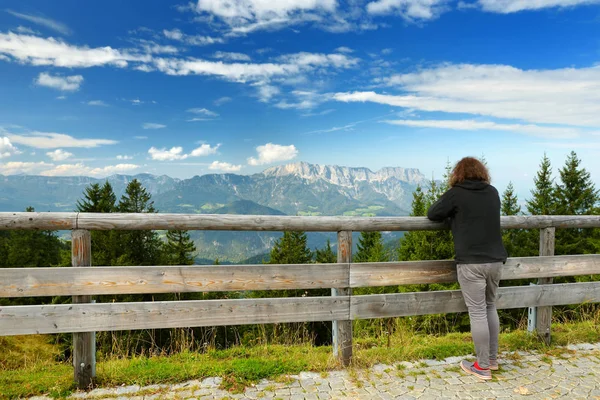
{"type": "Point", "coordinates": [479, 284]}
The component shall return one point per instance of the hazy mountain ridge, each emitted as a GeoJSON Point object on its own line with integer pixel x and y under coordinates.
{"type": "Point", "coordinates": [293, 189]}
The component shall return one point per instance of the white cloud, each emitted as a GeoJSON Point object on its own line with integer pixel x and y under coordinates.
{"type": "Point", "coordinates": [313, 60]}
{"type": "Point", "coordinates": [222, 100]}
{"type": "Point", "coordinates": [140, 137]}
{"type": "Point", "coordinates": [304, 100]}
{"type": "Point", "coordinates": [44, 140]}
{"type": "Point", "coordinates": [225, 55]}
{"type": "Point", "coordinates": [471, 125]}
{"type": "Point", "coordinates": [204, 150]}
{"type": "Point", "coordinates": [59, 155]}
{"type": "Point", "coordinates": [224, 166]}
{"type": "Point", "coordinates": [152, 125]}
{"type": "Point", "coordinates": [6, 148]}
{"type": "Point", "coordinates": [270, 153]}
{"type": "Point", "coordinates": [26, 30]}
{"type": "Point", "coordinates": [98, 103]}
{"type": "Point", "coordinates": [63, 83]}
{"type": "Point", "coordinates": [567, 96]}
{"type": "Point", "coordinates": [19, 167]}
{"type": "Point", "coordinates": [192, 40]}
{"type": "Point", "coordinates": [266, 92]}
{"type": "Point", "coordinates": [410, 10]}
{"type": "Point", "coordinates": [512, 6]}
{"type": "Point", "coordinates": [113, 169]}
{"type": "Point", "coordinates": [43, 21]}
{"type": "Point", "coordinates": [344, 49]}
{"type": "Point", "coordinates": [124, 157]}
{"type": "Point", "coordinates": [61, 98]}
{"type": "Point", "coordinates": [199, 119]}
{"type": "Point", "coordinates": [39, 51]}
{"type": "Point", "coordinates": [203, 111]}
{"type": "Point", "coordinates": [151, 47]}
{"type": "Point", "coordinates": [175, 153]}
{"type": "Point", "coordinates": [83, 170]}
{"type": "Point", "coordinates": [320, 113]}
{"type": "Point", "coordinates": [245, 16]}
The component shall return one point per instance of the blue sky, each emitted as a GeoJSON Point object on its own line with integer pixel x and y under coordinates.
{"type": "Point", "coordinates": [212, 86]}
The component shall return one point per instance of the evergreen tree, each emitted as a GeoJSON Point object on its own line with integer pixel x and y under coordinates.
{"type": "Point", "coordinates": [370, 248]}
{"type": "Point", "coordinates": [543, 201]}
{"type": "Point", "coordinates": [138, 247]}
{"type": "Point", "coordinates": [427, 245]}
{"type": "Point", "coordinates": [576, 194]}
{"type": "Point", "coordinates": [32, 248]}
{"type": "Point", "coordinates": [517, 242]}
{"type": "Point", "coordinates": [510, 203]}
{"type": "Point", "coordinates": [98, 199]}
{"type": "Point", "coordinates": [326, 255]}
{"type": "Point", "coordinates": [179, 249]}
{"type": "Point", "coordinates": [291, 249]}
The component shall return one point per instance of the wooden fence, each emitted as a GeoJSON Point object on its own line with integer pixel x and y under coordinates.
{"type": "Point", "coordinates": [83, 317]}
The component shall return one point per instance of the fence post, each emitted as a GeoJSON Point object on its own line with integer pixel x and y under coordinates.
{"type": "Point", "coordinates": [544, 314]}
{"type": "Point", "coordinates": [84, 343]}
{"type": "Point", "coordinates": [342, 330]}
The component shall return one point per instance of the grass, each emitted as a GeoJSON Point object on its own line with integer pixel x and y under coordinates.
{"type": "Point", "coordinates": [28, 366]}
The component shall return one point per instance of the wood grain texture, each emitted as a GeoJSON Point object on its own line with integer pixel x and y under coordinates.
{"type": "Point", "coordinates": [26, 282]}
{"type": "Point", "coordinates": [451, 301]}
{"type": "Point", "coordinates": [31, 282]}
{"type": "Point", "coordinates": [543, 321]}
{"type": "Point", "coordinates": [64, 318]}
{"type": "Point", "coordinates": [342, 329]}
{"type": "Point", "coordinates": [38, 221]}
{"type": "Point", "coordinates": [84, 359]}
{"type": "Point", "coordinates": [101, 221]}
{"type": "Point", "coordinates": [423, 272]}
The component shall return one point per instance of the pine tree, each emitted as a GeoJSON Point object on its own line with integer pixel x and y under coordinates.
{"type": "Point", "coordinates": [543, 201]}
{"type": "Point", "coordinates": [518, 242]}
{"type": "Point", "coordinates": [427, 245]}
{"type": "Point", "coordinates": [370, 248]}
{"type": "Point", "coordinates": [325, 255]}
{"type": "Point", "coordinates": [179, 249]}
{"type": "Point", "coordinates": [510, 203]}
{"type": "Point", "coordinates": [576, 194]}
{"type": "Point", "coordinates": [291, 249]}
{"type": "Point", "coordinates": [138, 247]}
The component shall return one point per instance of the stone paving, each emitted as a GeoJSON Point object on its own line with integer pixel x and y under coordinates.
{"type": "Point", "coordinates": [573, 374]}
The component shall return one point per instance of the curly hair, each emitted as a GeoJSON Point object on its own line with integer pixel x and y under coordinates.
{"type": "Point", "coordinates": [469, 168]}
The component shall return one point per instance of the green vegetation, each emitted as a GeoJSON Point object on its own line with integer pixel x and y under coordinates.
{"type": "Point", "coordinates": [240, 366]}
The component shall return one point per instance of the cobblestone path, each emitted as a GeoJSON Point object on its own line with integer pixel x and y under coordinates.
{"type": "Point", "coordinates": [575, 374]}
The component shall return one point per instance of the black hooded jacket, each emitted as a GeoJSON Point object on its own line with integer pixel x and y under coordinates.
{"type": "Point", "coordinates": [473, 208]}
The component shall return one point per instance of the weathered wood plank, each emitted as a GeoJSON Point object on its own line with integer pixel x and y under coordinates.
{"type": "Point", "coordinates": [26, 282]}
{"type": "Point", "coordinates": [37, 220]}
{"type": "Point", "coordinates": [84, 357]}
{"type": "Point", "coordinates": [544, 314]}
{"type": "Point", "coordinates": [450, 301]}
{"type": "Point", "coordinates": [99, 221]}
{"type": "Point", "coordinates": [422, 272]}
{"type": "Point", "coordinates": [31, 282]}
{"type": "Point", "coordinates": [342, 329]}
{"type": "Point", "coordinates": [64, 318]}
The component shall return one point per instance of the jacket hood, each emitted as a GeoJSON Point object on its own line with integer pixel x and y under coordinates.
{"type": "Point", "coordinates": [473, 185]}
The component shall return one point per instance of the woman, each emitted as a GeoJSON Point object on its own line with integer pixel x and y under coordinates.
{"type": "Point", "coordinates": [473, 207]}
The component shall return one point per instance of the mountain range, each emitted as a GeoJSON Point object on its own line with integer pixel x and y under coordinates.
{"type": "Point", "coordinates": [293, 189]}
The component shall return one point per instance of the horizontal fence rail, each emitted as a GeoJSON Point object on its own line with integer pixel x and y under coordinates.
{"type": "Point", "coordinates": [32, 282]}
{"type": "Point", "coordinates": [63, 318]}
{"type": "Point", "coordinates": [224, 222]}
